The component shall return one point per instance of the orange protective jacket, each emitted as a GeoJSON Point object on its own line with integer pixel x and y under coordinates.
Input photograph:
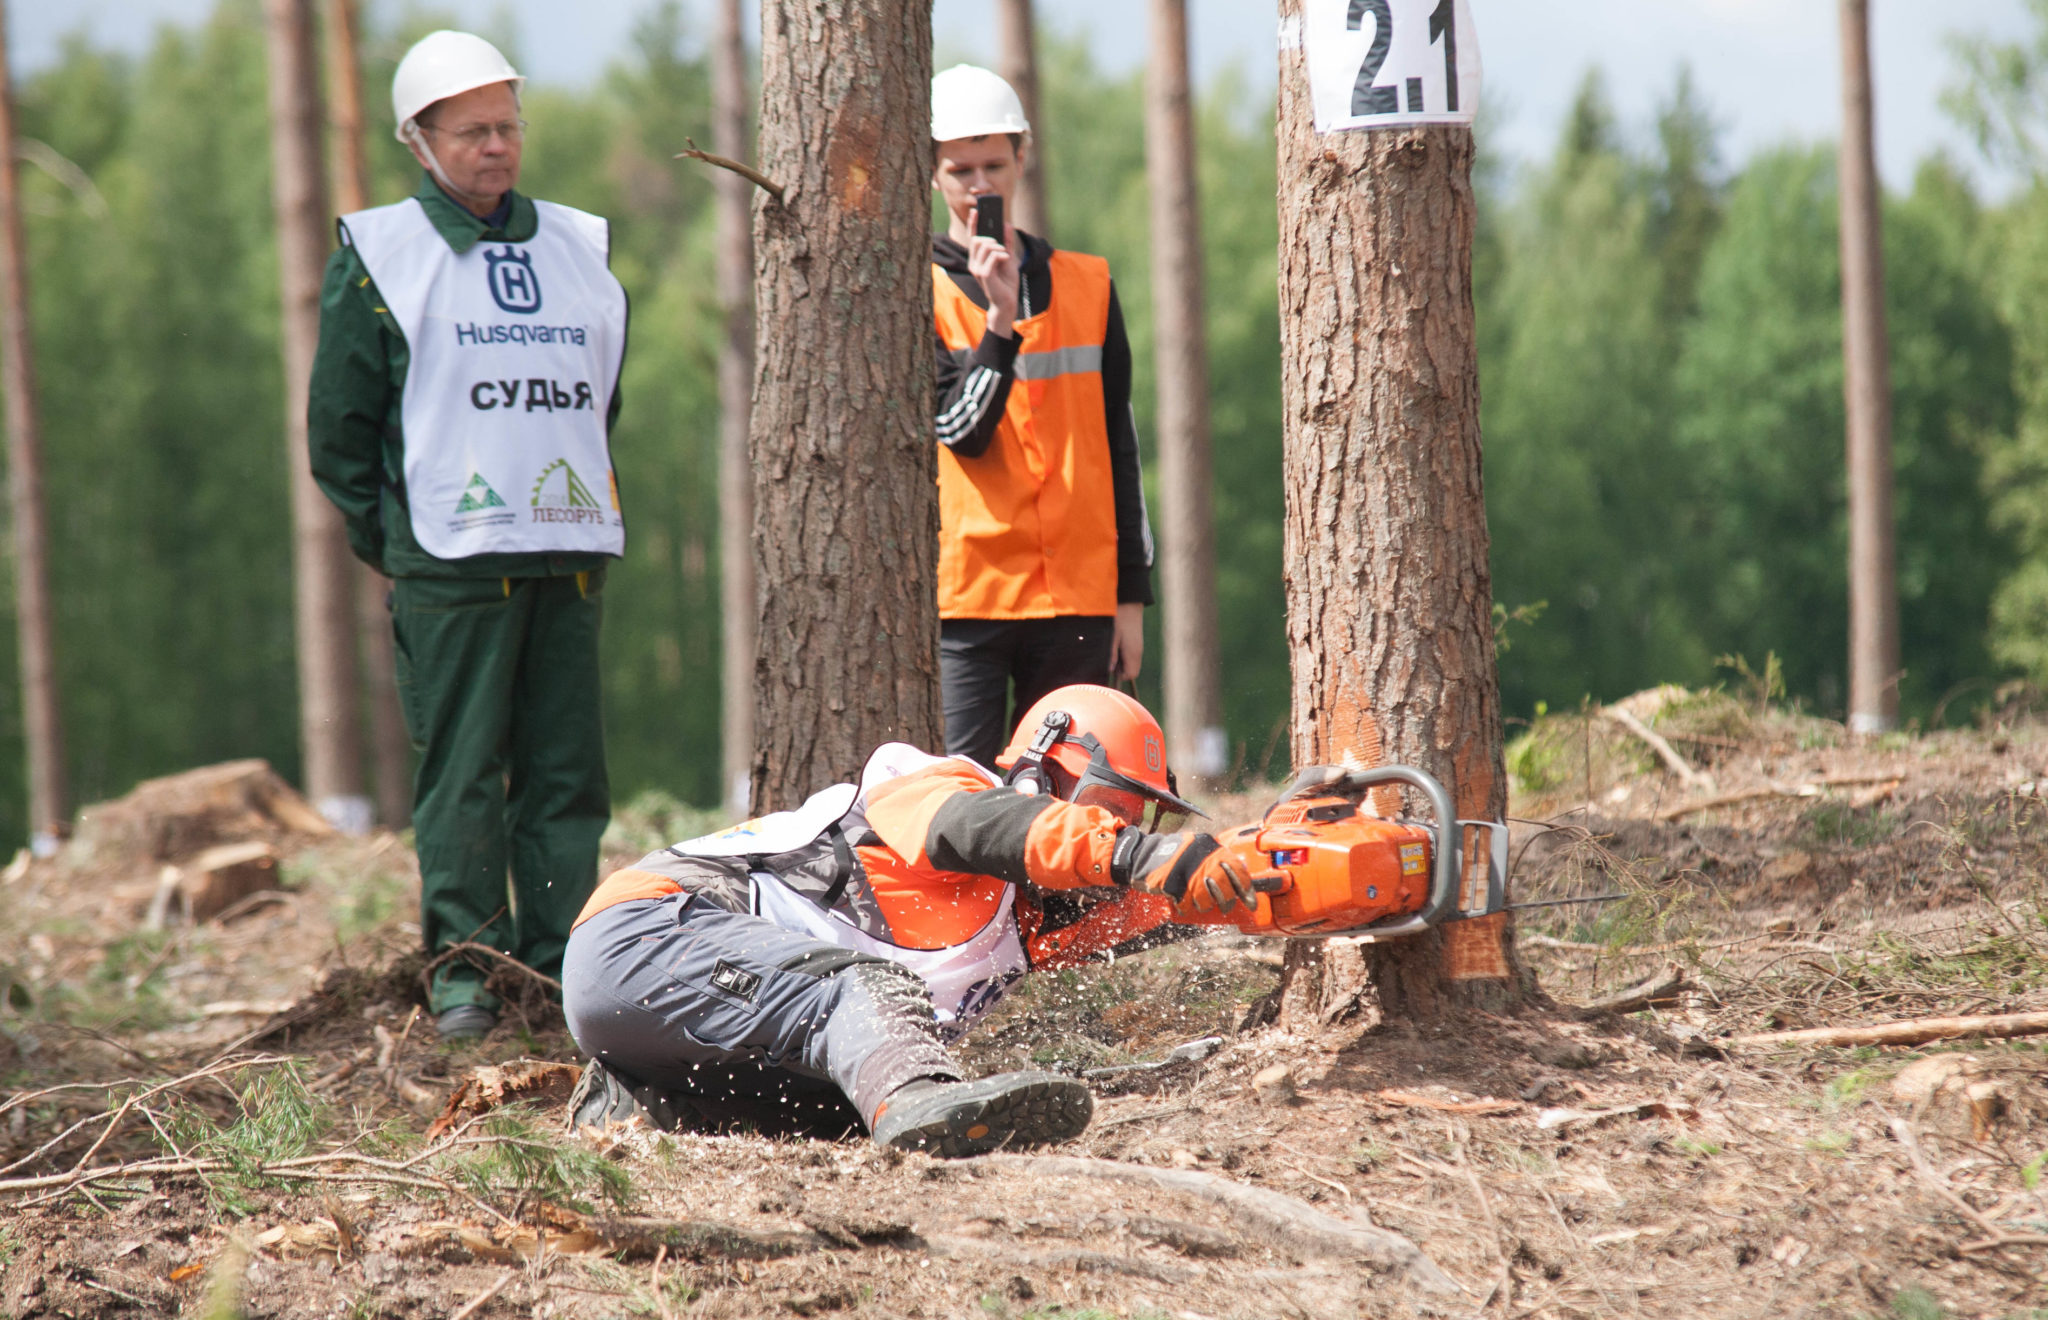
{"type": "Point", "coordinates": [942, 845]}
{"type": "Point", "coordinates": [1028, 529]}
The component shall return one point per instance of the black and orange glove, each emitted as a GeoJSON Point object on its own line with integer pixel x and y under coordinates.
{"type": "Point", "coordinates": [1200, 877]}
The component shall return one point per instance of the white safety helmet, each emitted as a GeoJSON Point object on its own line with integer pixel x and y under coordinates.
{"type": "Point", "coordinates": [444, 64]}
{"type": "Point", "coordinates": [970, 102]}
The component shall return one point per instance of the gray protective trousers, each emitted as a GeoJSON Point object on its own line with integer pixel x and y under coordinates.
{"type": "Point", "coordinates": [729, 1020]}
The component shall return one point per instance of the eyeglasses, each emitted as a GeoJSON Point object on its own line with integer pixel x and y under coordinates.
{"type": "Point", "coordinates": [475, 135]}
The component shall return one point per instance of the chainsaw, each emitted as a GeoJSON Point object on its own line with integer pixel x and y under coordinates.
{"type": "Point", "coordinates": [1321, 865]}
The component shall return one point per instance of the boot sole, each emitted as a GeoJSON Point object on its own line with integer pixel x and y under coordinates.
{"type": "Point", "coordinates": [978, 1117]}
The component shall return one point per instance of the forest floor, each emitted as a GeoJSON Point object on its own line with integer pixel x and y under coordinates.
{"type": "Point", "coordinates": [1547, 1162]}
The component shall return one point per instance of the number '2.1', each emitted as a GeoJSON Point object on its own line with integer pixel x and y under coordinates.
{"type": "Point", "coordinates": [1367, 98]}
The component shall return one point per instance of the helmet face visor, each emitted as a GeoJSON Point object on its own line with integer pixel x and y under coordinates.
{"type": "Point", "coordinates": [1130, 801]}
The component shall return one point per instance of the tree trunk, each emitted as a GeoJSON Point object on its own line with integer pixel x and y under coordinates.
{"type": "Point", "coordinates": [845, 468]}
{"type": "Point", "coordinates": [49, 812]}
{"type": "Point", "coordinates": [329, 737]}
{"type": "Point", "coordinates": [1018, 38]}
{"type": "Point", "coordinates": [1388, 596]}
{"type": "Point", "coordinates": [1193, 672]}
{"type": "Point", "coordinates": [735, 404]}
{"type": "Point", "coordinates": [1867, 390]}
{"type": "Point", "coordinates": [391, 749]}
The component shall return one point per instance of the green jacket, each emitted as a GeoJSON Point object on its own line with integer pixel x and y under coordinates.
{"type": "Point", "coordinates": [353, 409]}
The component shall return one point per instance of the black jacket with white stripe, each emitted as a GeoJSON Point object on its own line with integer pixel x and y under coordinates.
{"type": "Point", "coordinates": [972, 396]}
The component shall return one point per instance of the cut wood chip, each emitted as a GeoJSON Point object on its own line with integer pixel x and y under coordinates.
{"type": "Point", "coordinates": [317, 1238]}
{"type": "Point", "coordinates": [500, 1084]}
{"type": "Point", "coordinates": [1486, 1105]}
{"type": "Point", "coordinates": [1552, 1119]}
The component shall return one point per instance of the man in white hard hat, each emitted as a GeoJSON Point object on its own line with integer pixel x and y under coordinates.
{"type": "Point", "coordinates": [460, 415]}
{"type": "Point", "coordinates": [1045, 555]}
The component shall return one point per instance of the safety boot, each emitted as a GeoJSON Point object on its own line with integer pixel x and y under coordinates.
{"type": "Point", "coordinates": [601, 1097]}
{"type": "Point", "coordinates": [955, 1119]}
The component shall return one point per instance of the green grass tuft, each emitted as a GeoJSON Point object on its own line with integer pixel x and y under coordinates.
{"type": "Point", "coordinates": [279, 1118]}
{"type": "Point", "coordinates": [527, 1158]}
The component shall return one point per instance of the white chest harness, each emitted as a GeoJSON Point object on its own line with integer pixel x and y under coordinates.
{"type": "Point", "coordinates": [966, 980]}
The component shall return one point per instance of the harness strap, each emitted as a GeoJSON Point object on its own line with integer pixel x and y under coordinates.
{"type": "Point", "coordinates": [844, 860]}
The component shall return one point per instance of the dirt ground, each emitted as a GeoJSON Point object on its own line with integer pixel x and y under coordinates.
{"type": "Point", "coordinates": [1547, 1161]}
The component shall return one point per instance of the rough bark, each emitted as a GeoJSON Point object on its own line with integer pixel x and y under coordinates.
{"type": "Point", "coordinates": [735, 404]}
{"type": "Point", "coordinates": [1867, 391]}
{"type": "Point", "coordinates": [1192, 671]}
{"type": "Point", "coordinates": [391, 748]}
{"type": "Point", "coordinates": [1388, 595]}
{"type": "Point", "coordinates": [845, 470]}
{"type": "Point", "coordinates": [1017, 38]}
{"type": "Point", "coordinates": [49, 809]}
{"type": "Point", "coordinates": [322, 568]}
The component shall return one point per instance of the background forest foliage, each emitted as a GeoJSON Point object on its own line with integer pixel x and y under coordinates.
{"type": "Point", "coordinates": [1660, 363]}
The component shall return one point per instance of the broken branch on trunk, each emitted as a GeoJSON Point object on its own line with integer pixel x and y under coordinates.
{"type": "Point", "coordinates": [741, 168]}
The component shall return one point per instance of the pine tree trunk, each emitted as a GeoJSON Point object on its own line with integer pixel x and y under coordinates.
{"type": "Point", "coordinates": [735, 404]}
{"type": "Point", "coordinates": [845, 467]}
{"type": "Point", "coordinates": [1017, 39]}
{"type": "Point", "coordinates": [322, 567]}
{"type": "Point", "coordinates": [1192, 671]}
{"type": "Point", "coordinates": [1867, 389]}
{"type": "Point", "coordinates": [391, 748]}
{"type": "Point", "coordinates": [49, 811]}
{"type": "Point", "coordinates": [1388, 596]}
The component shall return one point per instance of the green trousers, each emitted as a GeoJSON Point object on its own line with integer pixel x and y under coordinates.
{"type": "Point", "coordinates": [498, 678]}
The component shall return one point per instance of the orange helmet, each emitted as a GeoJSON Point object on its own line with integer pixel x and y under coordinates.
{"type": "Point", "coordinates": [1095, 746]}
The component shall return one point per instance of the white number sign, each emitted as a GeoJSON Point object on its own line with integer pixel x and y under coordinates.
{"type": "Point", "coordinates": [1378, 63]}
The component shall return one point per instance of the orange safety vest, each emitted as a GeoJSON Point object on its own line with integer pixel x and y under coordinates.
{"type": "Point", "coordinates": [1028, 529]}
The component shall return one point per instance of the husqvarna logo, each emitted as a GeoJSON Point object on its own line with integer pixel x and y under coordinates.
{"type": "Point", "coordinates": [1152, 756]}
{"type": "Point", "coordinates": [514, 286]}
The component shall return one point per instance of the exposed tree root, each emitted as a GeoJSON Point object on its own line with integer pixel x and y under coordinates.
{"type": "Point", "coordinates": [1287, 1223]}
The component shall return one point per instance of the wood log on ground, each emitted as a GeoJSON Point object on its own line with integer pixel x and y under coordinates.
{"type": "Point", "coordinates": [1913, 1031]}
{"type": "Point", "coordinates": [223, 876]}
{"type": "Point", "coordinates": [179, 815]}
{"type": "Point", "coordinates": [1666, 753]}
{"type": "Point", "coordinates": [1810, 789]}
{"type": "Point", "coordinates": [1644, 993]}
{"type": "Point", "coordinates": [1285, 1222]}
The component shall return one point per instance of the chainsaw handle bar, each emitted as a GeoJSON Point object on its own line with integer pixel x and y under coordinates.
{"type": "Point", "coordinates": [1445, 882]}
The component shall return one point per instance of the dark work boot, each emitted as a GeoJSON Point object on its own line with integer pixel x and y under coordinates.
{"type": "Point", "coordinates": [601, 1097]}
{"type": "Point", "coordinates": [953, 1119]}
{"type": "Point", "coordinates": [465, 1022]}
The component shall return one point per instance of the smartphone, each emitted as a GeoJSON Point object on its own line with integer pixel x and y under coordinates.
{"type": "Point", "coordinates": [988, 217]}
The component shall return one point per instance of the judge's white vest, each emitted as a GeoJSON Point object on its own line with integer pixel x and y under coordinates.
{"type": "Point", "coordinates": [966, 980]}
{"type": "Point", "coordinates": [515, 352]}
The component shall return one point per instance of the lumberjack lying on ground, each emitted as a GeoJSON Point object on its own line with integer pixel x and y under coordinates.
{"type": "Point", "coordinates": [805, 971]}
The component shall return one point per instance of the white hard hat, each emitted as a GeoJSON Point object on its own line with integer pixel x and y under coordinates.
{"type": "Point", "coordinates": [444, 64]}
{"type": "Point", "coordinates": [969, 101]}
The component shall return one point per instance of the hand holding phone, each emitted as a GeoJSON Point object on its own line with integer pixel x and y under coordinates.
{"type": "Point", "coordinates": [988, 218]}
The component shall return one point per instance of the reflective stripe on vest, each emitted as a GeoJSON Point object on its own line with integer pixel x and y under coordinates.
{"type": "Point", "coordinates": [515, 350]}
{"type": "Point", "coordinates": [1027, 530]}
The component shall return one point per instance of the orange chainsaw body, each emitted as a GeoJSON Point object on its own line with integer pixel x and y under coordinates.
{"type": "Point", "coordinates": [1323, 867]}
